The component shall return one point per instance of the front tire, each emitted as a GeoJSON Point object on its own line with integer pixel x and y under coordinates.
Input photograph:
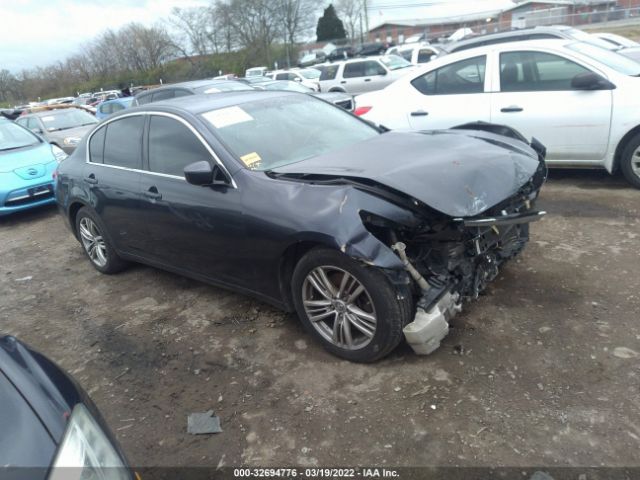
{"type": "Point", "coordinates": [630, 162]}
{"type": "Point", "coordinates": [353, 310]}
{"type": "Point", "coordinates": [95, 244]}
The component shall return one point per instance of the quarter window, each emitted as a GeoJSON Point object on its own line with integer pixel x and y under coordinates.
{"type": "Point", "coordinates": [536, 71]}
{"type": "Point", "coordinates": [123, 142]}
{"type": "Point", "coordinates": [96, 146]}
{"type": "Point", "coordinates": [465, 76]}
{"type": "Point", "coordinates": [172, 146]}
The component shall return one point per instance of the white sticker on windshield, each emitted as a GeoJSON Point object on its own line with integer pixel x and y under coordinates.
{"type": "Point", "coordinates": [226, 117]}
{"type": "Point", "coordinates": [48, 119]}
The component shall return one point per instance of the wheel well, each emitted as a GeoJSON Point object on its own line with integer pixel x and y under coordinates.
{"type": "Point", "coordinates": [288, 262]}
{"type": "Point", "coordinates": [73, 212]}
{"type": "Point", "coordinates": [622, 145]}
{"type": "Point", "coordinates": [337, 90]}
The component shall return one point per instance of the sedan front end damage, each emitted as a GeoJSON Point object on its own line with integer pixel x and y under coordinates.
{"type": "Point", "coordinates": [468, 220]}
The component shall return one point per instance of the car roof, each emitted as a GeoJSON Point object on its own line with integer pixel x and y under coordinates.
{"type": "Point", "coordinates": [193, 84]}
{"type": "Point", "coordinates": [197, 104]}
{"type": "Point", "coordinates": [557, 30]}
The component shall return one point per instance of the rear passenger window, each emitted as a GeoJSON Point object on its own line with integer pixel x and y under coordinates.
{"type": "Point", "coordinates": [172, 146]}
{"type": "Point", "coordinates": [466, 76]}
{"type": "Point", "coordinates": [328, 72]}
{"type": "Point", "coordinates": [123, 142]}
{"type": "Point", "coordinates": [425, 54]}
{"type": "Point", "coordinates": [163, 95]}
{"type": "Point", "coordinates": [143, 99]}
{"type": "Point", "coordinates": [96, 146]}
{"type": "Point", "coordinates": [352, 70]}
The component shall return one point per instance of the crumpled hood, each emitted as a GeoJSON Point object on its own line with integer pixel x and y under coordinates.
{"type": "Point", "coordinates": [460, 173]}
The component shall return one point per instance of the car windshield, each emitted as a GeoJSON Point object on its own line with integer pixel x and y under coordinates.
{"type": "Point", "coordinates": [66, 119]}
{"type": "Point", "coordinates": [310, 74]}
{"type": "Point", "coordinates": [13, 137]}
{"type": "Point", "coordinates": [279, 131]}
{"type": "Point", "coordinates": [286, 85]}
{"type": "Point", "coordinates": [613, 60]}
{"type": "Point", "coordinates": [224, 86]}
{"type": "Point", "coordinates": [394, 62]}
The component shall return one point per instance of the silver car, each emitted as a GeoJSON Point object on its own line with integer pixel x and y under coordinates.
{"type": "Point", "coordinates": [360, 75]}
{"type": "Point", "coordinates": [63, 127]}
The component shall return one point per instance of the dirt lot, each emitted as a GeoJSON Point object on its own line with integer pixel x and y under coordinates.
{"type": "Point", "coordinates": [543, 370]}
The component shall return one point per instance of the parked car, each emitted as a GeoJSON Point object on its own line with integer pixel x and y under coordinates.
{"type": "Point", "coordinates": [303, 205]}
{"type": "Point", "coordinates": [27, 166]}
{"type": "Point", "coordinates": [196, 87]}
{"type": "Point", "coordinates": [617, 41]}
{"type": "Point", "coordinates": [375, 48]}
{"type": "Point", "coordinates": [50, 427]}
{"type": "Point", "coordinates": [361, 75]}
{"type": "Point", "coordinates": [341, 53]}
{"type": "Point", "coordinates": [109, 107]}
{"type": "Point", "coordinates": [579, 100]}
{"type": "Point", "coordinates": [535, 33]}
{"type": "Point", "coordinates": [63, 127]}
{"type": "Point", "coordinates": [416, 53]}
{"type": "Point", "coordinates": [340, 99]}
{"type": "Point", "coordinates": [311, 59]}
{"type": "Point", "coordinates": [309, 77]}
{"type": "Point", "coordinates": [256, 72]}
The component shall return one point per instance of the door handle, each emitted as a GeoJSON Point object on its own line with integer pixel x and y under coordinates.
{"type": "Point", "coordinates": [343, 81]}
{"type": "Point", "coordinates": [511, 109]}
{"type": "Point", "coordinates": [367, 79]}
{"type": "Point", "coordinates": [91, 179]}
{"type": "Point", "coordinates": [153, 194]}
{"type": "Point", "coordinates": [419, 113]}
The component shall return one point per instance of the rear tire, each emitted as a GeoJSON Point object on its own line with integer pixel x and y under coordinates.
{"type": "Point", "coordinates": [630, 162]}
{"type": "Point", "coordinates": [353, 310]}
{"type": "Point", "coordinates": [95, 244]}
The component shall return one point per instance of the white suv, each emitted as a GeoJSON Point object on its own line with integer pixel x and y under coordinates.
{"type": "Point", "coordinates": [361, 75]}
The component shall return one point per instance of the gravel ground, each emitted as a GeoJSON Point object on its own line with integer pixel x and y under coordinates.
{"type": "Point", "coordinates": [542, 370]}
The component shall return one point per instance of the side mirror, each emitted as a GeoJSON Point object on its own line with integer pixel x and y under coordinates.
{"type": "Point", "coordinates": [591, 81]}
{"type": "Point", "coordinates": [203, 174]}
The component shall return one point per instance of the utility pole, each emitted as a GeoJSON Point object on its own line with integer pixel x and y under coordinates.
{"type": "Point", "coordinates": [365, 10]}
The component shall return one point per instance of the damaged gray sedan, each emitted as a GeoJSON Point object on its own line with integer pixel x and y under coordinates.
{"type": "Point", "coordinates": [367, 235]}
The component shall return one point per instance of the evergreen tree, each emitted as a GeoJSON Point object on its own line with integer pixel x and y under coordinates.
{"type": "Point", "coordinates": [330, 27]}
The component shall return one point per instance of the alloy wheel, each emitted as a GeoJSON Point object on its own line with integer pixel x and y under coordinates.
{"type": "Point", "coordinates": [339, 307]}
{"type": "Point", "coordinates": [635, 162]}
{"type": "Point", "coordinates": [93, 242]}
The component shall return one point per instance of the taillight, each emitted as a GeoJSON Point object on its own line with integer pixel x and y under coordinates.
{"type": "Point", "coordinates": [362, 110]}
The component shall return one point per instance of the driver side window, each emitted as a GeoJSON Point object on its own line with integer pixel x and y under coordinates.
{"type": "Point", "coordinates": [173, 146]}
{"type": "Point", "coordinates": [536, 72]}
{"type": "Point", "coordinates": [463, 77]}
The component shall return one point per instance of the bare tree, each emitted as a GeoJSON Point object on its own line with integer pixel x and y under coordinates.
{"type": "Point", "coordinates": [296, 18]}
{"type": "Point", "coordinates": [350, 12]}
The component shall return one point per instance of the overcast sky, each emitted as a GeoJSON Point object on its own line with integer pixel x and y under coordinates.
{"type": "Point", "coordinates": [40, 32]}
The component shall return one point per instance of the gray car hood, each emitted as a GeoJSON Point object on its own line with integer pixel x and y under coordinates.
{"type": "Point", "coordinates": [460, 173]}
{"type": "Point", "coordinates": [59, 135]}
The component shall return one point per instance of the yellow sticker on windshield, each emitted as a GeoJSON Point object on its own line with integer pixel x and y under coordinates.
{"type": "Point", "coordinates": [251, 160]}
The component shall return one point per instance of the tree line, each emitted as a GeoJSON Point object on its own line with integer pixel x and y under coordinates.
{"type": "Point", "coordinates": [225, 36]}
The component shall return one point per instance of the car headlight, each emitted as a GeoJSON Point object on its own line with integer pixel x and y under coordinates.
{"type": "Point", "coordinates": [58, 153]}
{"type": "Point", "coordinates": [72, 141]}
{"type": "Point", "coordinates": [86, 452]}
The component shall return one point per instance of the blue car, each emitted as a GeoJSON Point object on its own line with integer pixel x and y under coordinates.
{"type": "Point", "coordinates": [112, 106]}
{"type": "Point", "coordinates": [27, 168]}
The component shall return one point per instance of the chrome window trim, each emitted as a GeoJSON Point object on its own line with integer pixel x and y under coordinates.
{"type": "Point", "coordinates": [161, 114]}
